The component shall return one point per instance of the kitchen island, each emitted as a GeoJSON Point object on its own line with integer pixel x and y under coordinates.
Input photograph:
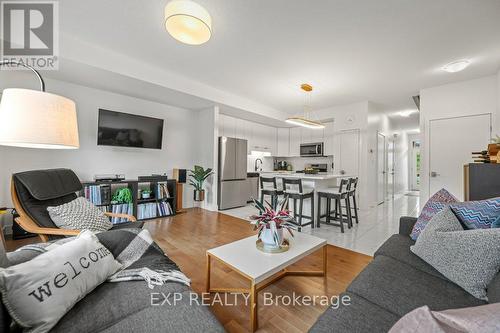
{"type": "Point", "coordinates": [317, 182]}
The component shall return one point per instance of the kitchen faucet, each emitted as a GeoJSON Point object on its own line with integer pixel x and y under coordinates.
{"type": "Point", "coordinates": [256, 167]}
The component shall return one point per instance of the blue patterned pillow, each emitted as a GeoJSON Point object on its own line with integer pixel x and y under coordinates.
{"type": "Point", "coordinates": [477, 214]}
{"type": "Point", "coordinates": [434, 205]}
{"type": "Point", "coordinates": [496, 223]}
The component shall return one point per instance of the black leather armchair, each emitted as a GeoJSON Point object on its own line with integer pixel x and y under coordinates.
{"type": "Point", "coordinates": [33, 191]}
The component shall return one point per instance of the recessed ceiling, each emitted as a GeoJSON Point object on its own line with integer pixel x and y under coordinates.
{"type": "Point", "coordinates": [384, 51]}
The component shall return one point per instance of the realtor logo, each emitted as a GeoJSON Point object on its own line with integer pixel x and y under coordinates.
{"type": "Point", "coordinates": [30, 33]}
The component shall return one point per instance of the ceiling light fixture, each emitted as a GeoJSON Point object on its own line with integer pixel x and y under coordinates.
{"type": "Point", "coordinates": [305, 121]}
{"type": "Point", "coordinates": [188, 22]}
{"type": "Point", "coordinates": [456, 66]}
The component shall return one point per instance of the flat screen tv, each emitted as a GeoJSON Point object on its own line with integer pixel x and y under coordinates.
{"type": "Point", "coordinates": [129, 130]}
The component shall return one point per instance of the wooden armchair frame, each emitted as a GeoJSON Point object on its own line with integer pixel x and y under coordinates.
{"type": "Point", "coordinates": [27, 223]}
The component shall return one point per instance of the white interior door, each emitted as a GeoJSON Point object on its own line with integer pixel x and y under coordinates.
{"type": "Point", "coordinates": [381, 173]}
{"type": "Point", "coordinates": [348, 162]}
{"type": "Point", "coordinates": [415, 165]}
{"type": "Point", "coordinates": [390, 169]}
{"type": "Point", "coordinates": [451, 142]}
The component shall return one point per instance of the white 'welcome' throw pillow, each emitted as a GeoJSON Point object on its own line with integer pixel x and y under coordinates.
{"type": "Point", "coordinates": [39, 292]}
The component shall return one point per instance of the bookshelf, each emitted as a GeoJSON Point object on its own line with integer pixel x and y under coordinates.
{"type": "Point", "coordinates": [161, 203]}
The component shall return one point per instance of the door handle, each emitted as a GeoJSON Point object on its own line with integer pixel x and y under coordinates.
{"type": "Point", "coordinates": [434, 174]}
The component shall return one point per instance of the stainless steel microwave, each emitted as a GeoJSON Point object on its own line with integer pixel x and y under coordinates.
{"type": "Point", "coordinates": [311, 149]}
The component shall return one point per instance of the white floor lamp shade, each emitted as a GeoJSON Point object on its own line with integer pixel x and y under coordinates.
{"type": "Point", "coordinates": [37, 119]}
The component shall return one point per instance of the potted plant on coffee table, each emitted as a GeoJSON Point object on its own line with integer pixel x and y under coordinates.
{"type": "Point", "coordinates": [198, 176]}
{"type": "Point", "coordinates": [270, 223]}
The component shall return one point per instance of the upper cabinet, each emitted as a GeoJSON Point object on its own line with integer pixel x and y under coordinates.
{"type": "Point", "coordinates": [328, 139]}
{"type": "Point", "coordinates": [280, 142]}
{"type": "Point", "coordinates": [260, 137]}
{"type": "Point", "coordinates": [264, 138]}
{"type": "Point", "coordinates": [227, 126]}
{"type": "Point", "coordinates": [283, 142]}
{"type": "Point", "coordinates": [295, 140]}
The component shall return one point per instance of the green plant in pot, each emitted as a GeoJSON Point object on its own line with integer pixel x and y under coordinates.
{"type": "Point", "coordinates": [270, 222]}
{"type": "Point", "coordinates": [197, 179]}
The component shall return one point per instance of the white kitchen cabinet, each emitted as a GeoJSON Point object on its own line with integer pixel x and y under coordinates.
{"type": "Point", "coordinates": [328, 139]}
{"type": "Point", "coordinates": [317, 135]}
{"type": "Point", "coordinates": [263, 138]}
{"type": "Point", "coordinates": [295, 140]}
{"type": "Point", "coordinates": [228, 125]}
{"type": "Point", "coordinates": [242, 127]}
{"type": "Point", "coordinates": [305, 135]}
{"type": "Point", "coordinates": [283, 142]}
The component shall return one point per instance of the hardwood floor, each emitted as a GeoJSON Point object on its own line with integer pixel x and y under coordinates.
{"type": "Point", "coordinates": [186, 237]}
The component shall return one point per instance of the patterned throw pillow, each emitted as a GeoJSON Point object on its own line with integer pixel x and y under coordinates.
{"type": "Point", "coordinates": [469, 258]}
{"type": "Point", "coordinates": [496, 223]}
{"type": "Point", "coordinates": [79, 214]}
{"type": "Point", "coordinates": [477, 214]}
{"type": "Point", "coordinates": [434, 205]}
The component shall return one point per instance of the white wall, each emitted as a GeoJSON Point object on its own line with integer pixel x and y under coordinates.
{"type": "Point", "coordinates": [465, 98]}
{"type": "Point", "coordinates": [207, 151]}
{"type": "Point", "coordinates": [180, 139]}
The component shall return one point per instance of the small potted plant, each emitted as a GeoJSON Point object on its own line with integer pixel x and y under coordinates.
{"type": "Point", "coordinates": [198, 177]}
{"type": "Point", "coordinates": [270, 223]}
{"type": "Point", "coordinates": [146, 194]}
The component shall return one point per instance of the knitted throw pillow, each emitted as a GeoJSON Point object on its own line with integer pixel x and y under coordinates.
{"type": "Point", "coordinates": [79, 214]}
{"type": "Point", "coordinates": [469, 258]}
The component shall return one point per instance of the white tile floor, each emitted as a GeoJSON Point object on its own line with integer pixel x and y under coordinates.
{"type": "Point", "coordinates": [375, 224]}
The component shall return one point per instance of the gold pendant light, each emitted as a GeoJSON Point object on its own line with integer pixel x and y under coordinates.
{"type": "Point", "coordinates": [306, 121]}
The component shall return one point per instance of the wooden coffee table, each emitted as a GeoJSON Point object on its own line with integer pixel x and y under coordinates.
{"type": "Point", "coordinates": [243, 257]}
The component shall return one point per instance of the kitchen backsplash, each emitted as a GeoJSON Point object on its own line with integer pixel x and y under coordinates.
{"type": "Point", "coordinates": [299, 163]}
{"type": "Point", "coordinates": [267, 165]}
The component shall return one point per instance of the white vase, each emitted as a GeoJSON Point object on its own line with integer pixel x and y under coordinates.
{"type": "Point", "coordinates": [266, 236]}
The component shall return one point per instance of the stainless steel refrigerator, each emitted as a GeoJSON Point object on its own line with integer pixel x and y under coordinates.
{"type": "Point", "coordinates": [233, 187]}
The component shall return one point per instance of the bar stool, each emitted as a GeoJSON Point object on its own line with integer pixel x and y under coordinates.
{"type": "Point", "coordinates": [268, 187]}
{"type": "Point", "coordinates": [352, 194]}
{"type": "Point", "coordinates": [337, 194]}
{"type": "Point", "coordinates": [294, 190]}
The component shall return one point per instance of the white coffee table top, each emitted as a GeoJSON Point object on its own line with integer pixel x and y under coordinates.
{"type": "Point", "coordinates": [243, 255]}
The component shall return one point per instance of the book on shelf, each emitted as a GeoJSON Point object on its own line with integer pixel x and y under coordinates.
{"type": "Point", "coordinates": [103, 209]}
{"type": "Point", "coordinates": [97, 194]}
{"type": "Point", "coordinates": [164, 208]}
{"type": "Point", "coordinates": [146, 210]}
{"type": "Point", "coordinates": [123, 208]}
{"type": "Point", "coordinates": [162, 190]}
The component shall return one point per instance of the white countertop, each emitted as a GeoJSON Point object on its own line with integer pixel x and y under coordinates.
{"type": "Point", "coordinates": [293, 174]}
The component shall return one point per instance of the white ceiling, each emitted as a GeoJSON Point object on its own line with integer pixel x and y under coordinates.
{"type": "Point", "coordinates": [384, 51]}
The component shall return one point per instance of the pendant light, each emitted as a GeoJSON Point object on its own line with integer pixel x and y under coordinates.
{"type": "Point", "coordinates": [188, 22]}
{"type": "Point", "coordinates": [306, 121]}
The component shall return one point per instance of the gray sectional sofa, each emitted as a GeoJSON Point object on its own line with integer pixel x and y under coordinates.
{"type": "Point", "coordinates": [393, 284]}
{"type": "Point", "coordinates": [126, 306]}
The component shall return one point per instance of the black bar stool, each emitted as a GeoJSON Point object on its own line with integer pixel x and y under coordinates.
{"type": "Point", "coordinates": [352, 194]}
{"type": "Point", "coordinates": [294, 190]}
{"type": "Point", "coordinates": [268, 187]}
{"type": "Point", "coordinates": [337, 194]}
